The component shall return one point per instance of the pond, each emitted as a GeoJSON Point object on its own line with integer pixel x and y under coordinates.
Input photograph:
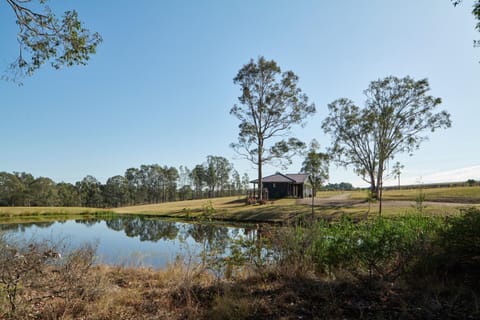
{"type": "Point", "coordinates": [133, 240]}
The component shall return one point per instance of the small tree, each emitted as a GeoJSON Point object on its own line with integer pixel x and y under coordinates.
{"type": "Point", "coordinates": [316, 165]}
{"type": "Point", "coordinates": [396, 113]}
{"type": "Point", "coordinates": [270, 104]}
{"type": "Point", "coordinates": [397, 171]}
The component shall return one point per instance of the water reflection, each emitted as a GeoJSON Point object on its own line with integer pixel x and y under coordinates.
{"type": "Point", "coordinates": [145, 229]}
{"type": "Point", "coordinates": [210, 235]}
{"type": "Point", "coordinates": [158, 242]}
{"type": "Point", "coordinates": [21, 227]}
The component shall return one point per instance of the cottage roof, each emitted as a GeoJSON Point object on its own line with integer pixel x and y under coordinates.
{"type": "Point", "coordinates": [289, 178]}
{"type": "Point", "coordinates": [298, 177]}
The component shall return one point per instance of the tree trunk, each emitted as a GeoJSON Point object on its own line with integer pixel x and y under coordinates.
{"type": "Point", "coordinates": [313, 202]}
{"type": "Point", "coordinates": [379, 186]}
{"type": "Point", "coordinates": [380, 200]}
{"type": "Point", "coordinates": [260, 180]}
{"type": "Point", "coordinates": [373, 188]}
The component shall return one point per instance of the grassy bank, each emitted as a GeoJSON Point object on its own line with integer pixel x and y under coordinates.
{"type": "Point", "coordinates": [41, 214]}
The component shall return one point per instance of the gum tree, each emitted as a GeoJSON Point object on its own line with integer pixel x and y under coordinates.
{"type": "Point", "coordinates": [396, 115]}
{"type": "Point", "coordinates": [43, 37]}
{"type": "Point", "coordinates": [397, 171]}
{"type": "Point", "coordinates": [270, 105]}
{"type": "Point", "coordinates": [316, 165]}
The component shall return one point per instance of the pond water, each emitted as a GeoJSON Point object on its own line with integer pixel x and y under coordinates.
{"type": "Point", "coordinates": [133, 240]}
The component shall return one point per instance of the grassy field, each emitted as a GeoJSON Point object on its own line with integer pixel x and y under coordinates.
{"type": "Point", "coordinates": [234, 208]}
{"type": "Point", "coordinates": [353, 203]}
{"type": "Point", "coordinates": [454, 194]}
{"type": "Point", "coordinates": [43, 214]}
{"type": "Point", "coordinates": [227, 208]}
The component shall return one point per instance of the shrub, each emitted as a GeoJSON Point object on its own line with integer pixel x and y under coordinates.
{"type": "Point", "coordinates": [36, 273]}
{"type": "Point", "coordinates": [381, 247]}
{"type": "Point", "coordinates": [457, 250]}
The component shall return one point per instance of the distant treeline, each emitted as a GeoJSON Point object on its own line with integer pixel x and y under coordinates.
{"type": "Point", "coordinates": [145, 185]}
{"type": "Point", "coordinates": [338, 186]}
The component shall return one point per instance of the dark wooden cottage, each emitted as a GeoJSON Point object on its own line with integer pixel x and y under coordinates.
{"type": "Point", "coordinates": [280, 185]}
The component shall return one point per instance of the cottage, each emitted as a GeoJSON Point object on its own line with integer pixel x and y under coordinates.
{"type": "Point", "coordinates": [281, 185]}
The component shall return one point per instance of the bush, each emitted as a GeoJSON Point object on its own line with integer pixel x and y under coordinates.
{"type": "Point", "coordinates": [35, 273]}
{"type": "Point", "coordinates": [381, 247]}
{"type": "Point", "coordinates": [456, 255]}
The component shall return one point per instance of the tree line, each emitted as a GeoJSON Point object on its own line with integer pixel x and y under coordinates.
{"type": "Point", "coordinates": [148, 184]}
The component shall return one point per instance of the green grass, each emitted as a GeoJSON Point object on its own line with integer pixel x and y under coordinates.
{"type": "Point", "coordinates": [35, 211]}
{"type": "Point", "coordinates": [227, 208]}
{"type": "Point", "coordinates": [236, 209]}
{"type": "Point", "coordinates": [44, 214]}
{"type": "Point", "coordinates": [453, 194]}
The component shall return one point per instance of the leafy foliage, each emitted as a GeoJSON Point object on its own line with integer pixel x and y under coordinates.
{"type": "Point", "coordinates": [476, 14]}
{"type": "Point", "coordinates": [270, 105]}
{"type": "Point", "coordinates": [146, 184]}
{"type": "Point", "coordinates": [397, 111]}
{"type": "Point", "coordinates": [43, 37]}
{"type": "Point", "coordinates": [457, 253]}
{"type": "Point", "coordinates": [380, 248]}
{"type": "Point", "coordinates": [316, 165]}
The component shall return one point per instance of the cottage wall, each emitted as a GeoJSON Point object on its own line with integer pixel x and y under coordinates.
{"type": "Point", "coordinates": [277, 190]}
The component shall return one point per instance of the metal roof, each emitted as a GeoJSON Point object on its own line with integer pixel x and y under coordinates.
{"type": "Point", "coordinates": [298, 177]}
{"type": "Point", "coordinates": [289, 178]}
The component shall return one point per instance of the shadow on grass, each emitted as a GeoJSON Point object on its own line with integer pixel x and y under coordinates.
{"type": "Point", "coordinates": [304, 298]}
{"type": "Point", "coordinates": [237, 201]}
{"type": "Point", "coordinates": [272, 213]}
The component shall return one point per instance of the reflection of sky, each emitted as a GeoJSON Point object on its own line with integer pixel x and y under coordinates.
{"type": "Point", "coordinates": [115, 247]}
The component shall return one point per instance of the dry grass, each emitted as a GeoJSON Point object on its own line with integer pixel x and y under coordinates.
{"type": "Point", "coordinates": [38, 211]}
{"type": "Point", "coordinates": [227, 208]}
{"type": "Point", "coordinates": [74, 289]}
{"type": "Point", "coordinates": [452, 194]}
{"type": "Point", "coordinates": [236, 209]}
{"type": "Point", "coordinates": [179, 207]}
{"type": "Point", "coordinates": [152, 294]}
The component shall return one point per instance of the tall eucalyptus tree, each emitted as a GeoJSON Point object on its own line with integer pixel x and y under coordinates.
{"type": "Point", "coordinates": [271, 103]}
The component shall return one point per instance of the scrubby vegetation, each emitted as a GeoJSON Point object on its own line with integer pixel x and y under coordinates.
{"type": "Point", "coordinates": [413, 267]}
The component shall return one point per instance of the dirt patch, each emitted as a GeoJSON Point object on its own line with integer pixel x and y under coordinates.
{"type": "Point", "coordinates": [343, 200]}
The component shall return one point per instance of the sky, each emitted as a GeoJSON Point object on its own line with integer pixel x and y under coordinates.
{"type": "Point", "coordinates": [160, 88]}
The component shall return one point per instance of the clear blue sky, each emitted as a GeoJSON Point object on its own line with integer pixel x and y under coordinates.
{"type": "Point", "coordinates": [160, 88]}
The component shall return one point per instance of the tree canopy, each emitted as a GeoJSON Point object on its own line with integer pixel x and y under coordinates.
{"type": "Point", "coordinates": [43, 37]}
{"type": "Point", "coordinates": [476, 14]}
{"type": "Point", "coordinates": [316, 165]}
{"type": "Point", "coordinates": [270, 104]}
{"type": "Point", "coordinates": [397, 112]}
{"type": "Point", "coordinates": [144, 185]}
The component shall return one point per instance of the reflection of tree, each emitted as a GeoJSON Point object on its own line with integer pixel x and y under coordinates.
{"type": "Point", "coordinates": [88, 221]}
{"type": "Point", "coordinates": [21, 227]}
{"type": "Point", "coordinates": [116, 224]}
{"type": "Point", "coordinates": [211, 236]}
{"type": "Point", "coordinates": [145, 229]}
